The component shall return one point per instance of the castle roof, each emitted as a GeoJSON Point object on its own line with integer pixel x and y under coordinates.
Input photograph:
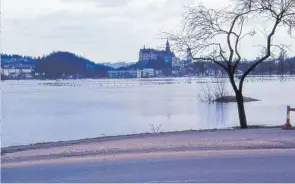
{"type": "Point", "coordinates": [156, 51]}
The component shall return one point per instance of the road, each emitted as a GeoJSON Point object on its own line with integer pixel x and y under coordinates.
{"type": "Point", "coordinates": [250, 165]}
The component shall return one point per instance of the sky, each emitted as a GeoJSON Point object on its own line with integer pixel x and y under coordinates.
{"type": "Point", "coordinates": [100, 30]}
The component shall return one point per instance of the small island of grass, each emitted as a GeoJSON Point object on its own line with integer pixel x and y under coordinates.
{"type": "Point", "coordinates": [231, 99]}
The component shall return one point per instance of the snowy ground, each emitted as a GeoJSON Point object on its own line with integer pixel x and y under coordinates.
{"type": "Point", "coordinates": [263, 155]}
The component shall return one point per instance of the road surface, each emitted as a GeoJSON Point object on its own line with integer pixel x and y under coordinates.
{"type": "Point", "coordinates": [253, 155]}
{"type": "Point", "coordinates": [251, 165]}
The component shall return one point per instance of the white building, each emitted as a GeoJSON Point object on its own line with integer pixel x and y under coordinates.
{"type": "Point", "coordinates": [8, 71]}
{"type": "Point", "coordinates": [176, 62]}
{"type": "Point", "coordinates": [148, 72]}
{"type": "Point", "coordinates": [124, 74]}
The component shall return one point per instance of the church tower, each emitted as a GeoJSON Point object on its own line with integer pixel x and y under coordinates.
{"type": "Point", "coordinates": [167, 46]}
{"type": "Point", "coordinates": [188, 56]}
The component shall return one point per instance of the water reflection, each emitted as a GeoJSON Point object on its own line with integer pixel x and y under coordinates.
{"type": "Point", "coordinates": [221, 114]}
{"type": "Point", "coordinates": [215, 115]}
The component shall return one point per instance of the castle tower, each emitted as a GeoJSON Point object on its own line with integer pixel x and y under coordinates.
{"type": "Point", "coordinates": [167, 46]}
{"type": "Point", "coordinates": [188, 56]}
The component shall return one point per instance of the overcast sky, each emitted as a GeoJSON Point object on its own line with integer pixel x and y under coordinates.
{"type": "Point", "coordinates": [101, 30]}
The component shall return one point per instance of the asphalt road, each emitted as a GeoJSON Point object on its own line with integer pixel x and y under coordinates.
{"type": "Point", "coordinates": [277, 165]}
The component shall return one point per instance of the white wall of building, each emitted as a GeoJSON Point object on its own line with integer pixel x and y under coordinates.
{"type": "Point", "coordinates": [148, 72]}
{"type": "Point", "coordinates": [125, 74]}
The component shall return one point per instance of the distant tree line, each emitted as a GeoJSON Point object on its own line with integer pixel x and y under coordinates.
{"type": "Point", "coordinates": [8, 57]}
{"type": "Point", "coordinates": [278, 66]}
{"type": "Point", "coordinates": [12, 59]}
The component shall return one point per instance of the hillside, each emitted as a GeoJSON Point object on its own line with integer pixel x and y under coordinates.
{"type": "Point", "coordinates": [60, 64]}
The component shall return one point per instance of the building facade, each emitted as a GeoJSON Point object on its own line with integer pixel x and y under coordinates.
{"type": "Point", "coordinates": [124, 74]}
{"type": "Point", "coordinates": [148, 73]}
{"type": "Point", "coordinates": [146, 55]}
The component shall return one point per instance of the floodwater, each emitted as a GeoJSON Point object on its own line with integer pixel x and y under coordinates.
{"type": "Point", "coordinates": [33, 112]}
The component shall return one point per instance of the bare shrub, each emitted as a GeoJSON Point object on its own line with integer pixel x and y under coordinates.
{"type": "Point", "coordinates": [155, 129]}
{"type": "Point", "coordinates": [213, 90]}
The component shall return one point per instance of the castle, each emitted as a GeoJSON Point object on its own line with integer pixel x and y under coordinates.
{"type": "Point", "coordinates": [146, 55]}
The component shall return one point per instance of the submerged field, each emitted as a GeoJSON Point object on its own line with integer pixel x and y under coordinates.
{"type": "Point", "coordinates": [34, 111]}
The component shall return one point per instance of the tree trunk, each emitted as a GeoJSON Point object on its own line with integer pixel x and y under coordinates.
{"type": "Point", "coordinates": [241, 110]}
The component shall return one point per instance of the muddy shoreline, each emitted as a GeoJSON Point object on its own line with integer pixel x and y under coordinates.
{"type": "Point", "coordinates": [46, 145]}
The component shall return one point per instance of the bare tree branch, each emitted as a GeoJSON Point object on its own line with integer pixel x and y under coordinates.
{"type": "Point", "coordinates": [216, 35]}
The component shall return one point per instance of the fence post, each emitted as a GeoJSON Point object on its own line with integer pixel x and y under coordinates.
{"type": "Point", "coordinates": [288, 125]}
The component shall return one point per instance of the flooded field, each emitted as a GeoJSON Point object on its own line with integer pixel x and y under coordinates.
{"type": "Point", "coordinates": [42, 111]}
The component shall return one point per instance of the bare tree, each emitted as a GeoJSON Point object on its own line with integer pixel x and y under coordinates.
{"type": "Point", "coordinates": [216, 35]}
{"type": "Point", "coordinates": [291, 68]}
{"type": "Point", "coordinates": [282, 59]}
